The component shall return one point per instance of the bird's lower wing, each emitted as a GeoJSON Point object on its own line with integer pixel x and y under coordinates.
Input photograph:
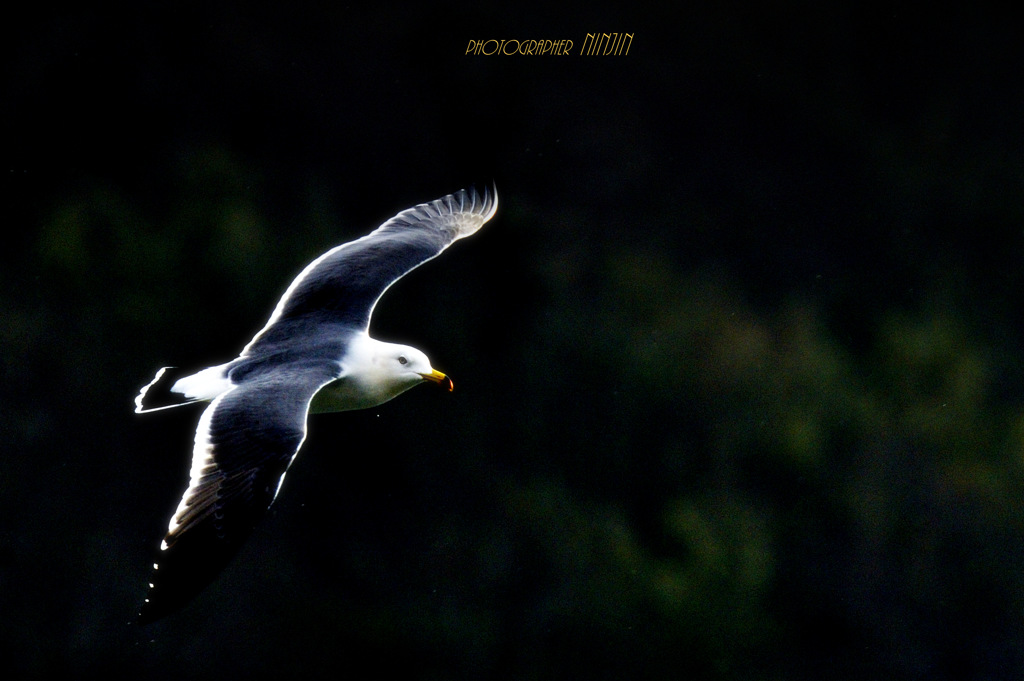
{"type": "Point", "coordinates": [245, 441]}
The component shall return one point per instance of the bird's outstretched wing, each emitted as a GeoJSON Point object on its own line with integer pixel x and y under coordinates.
{"type": "Point", "coordinates": [245, 441]}
{"type": "Point", "coordinates": [341, 287]}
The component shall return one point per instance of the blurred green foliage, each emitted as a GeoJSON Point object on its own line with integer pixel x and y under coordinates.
{"type": "Point", "coordinates": [697, 484]}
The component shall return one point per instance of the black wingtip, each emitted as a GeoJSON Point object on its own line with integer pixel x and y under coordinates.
{"type": "Point", "coordinates": [186, 567]}
{"type": "Point", "coordinates": [147, 615]}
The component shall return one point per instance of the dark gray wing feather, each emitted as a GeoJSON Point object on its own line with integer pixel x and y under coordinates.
{"type": "Point", "coordinates": [245, 441]}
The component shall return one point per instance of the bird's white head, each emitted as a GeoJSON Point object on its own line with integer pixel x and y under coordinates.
{"type": "Point", "coordinates": [404, 366]}
{"type": "Point", "coordinates": [375, 372]}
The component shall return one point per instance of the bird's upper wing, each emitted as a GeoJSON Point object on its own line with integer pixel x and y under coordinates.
{"type": "Point", "coordinates": [341, 287]}
{"type": "Point", "coordinates": [245, 441]}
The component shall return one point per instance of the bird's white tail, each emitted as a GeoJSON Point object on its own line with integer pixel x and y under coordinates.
{"type": "Point", "coordinates": [173, 387]}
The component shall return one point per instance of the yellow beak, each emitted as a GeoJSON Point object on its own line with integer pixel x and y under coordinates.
{"type": "Point", "coordinates": [436, 376]}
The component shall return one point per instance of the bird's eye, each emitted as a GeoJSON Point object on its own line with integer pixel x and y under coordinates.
{"type": "Point", "coordinates": [402, 359]}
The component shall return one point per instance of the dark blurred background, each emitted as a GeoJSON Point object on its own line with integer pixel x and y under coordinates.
{"type": "Point", "coordinates": [738, 393]}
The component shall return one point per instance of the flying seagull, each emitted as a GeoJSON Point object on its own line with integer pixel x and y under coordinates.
{"type": "Point", "coordinates": [314, 355]}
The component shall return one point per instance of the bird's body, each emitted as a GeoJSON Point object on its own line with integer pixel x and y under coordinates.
{"type": "Point", "coordinates": [313, 355]}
